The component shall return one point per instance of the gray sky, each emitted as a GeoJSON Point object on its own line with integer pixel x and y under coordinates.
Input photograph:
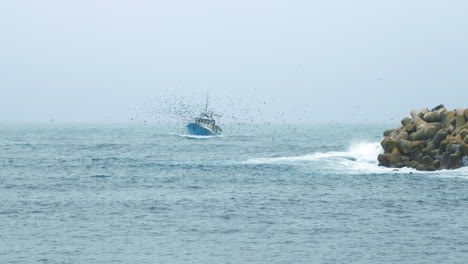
{"type": "Point", "coordinates": [96, 61]}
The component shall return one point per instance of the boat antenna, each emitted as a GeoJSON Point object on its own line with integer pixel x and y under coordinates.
{"type": "Point", "coordinates": [206, 105]}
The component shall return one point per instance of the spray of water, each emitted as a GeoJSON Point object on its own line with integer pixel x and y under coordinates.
{"type": "Point", "coordinates": [361, 158]}
{"type": "Point", "coordinates": [360, 152]}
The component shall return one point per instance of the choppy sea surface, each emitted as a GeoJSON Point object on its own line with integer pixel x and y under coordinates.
{"type": "Point", "coordinates": [259, 194]}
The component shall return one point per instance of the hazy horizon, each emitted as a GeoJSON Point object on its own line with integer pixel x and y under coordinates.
{"type": "Point", "coordinates": [316, 62]}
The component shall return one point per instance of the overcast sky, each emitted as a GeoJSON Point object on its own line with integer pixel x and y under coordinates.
{"type": "Point", "coordinates": [350, 61]}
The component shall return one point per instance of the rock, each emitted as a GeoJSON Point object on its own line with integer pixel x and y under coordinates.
{"type": "Point", "coordinates": [395, 158]}
{"type": "Point", "coordinates": [426, 131]}
{"type": "Point", "coordinates": [388, 132]}
{"type": "Point", "coordinates": [420, 167]}
{"type": "Point", "coordinates": [444, 160]}
{"type": "Point", "coordinates": [447, 118]}
{"type": "Point", "coordinates": [464, 148]}
{"type": "Point", "coordinates": [417, 121]}
{"type": "Point", "coordinates": [384, 163]}
{"type": "Point", "coordinates": [431, 129]}
{"type": "Point", "coordinates": [460, 121]}
{"type": "Point", "coordinates": [423, 111]}
{"type": "Point", "coordinates": [414, 113]}
{"type": "Point", "coordinates": [428, 150]}
{"type": "Point", "coordinates": [405, 146]}
{"type": "Point", "coordinates": [410, 128]}
{"type": "Point", "coordinates": [463, 133]}
{"type": "Point", "coordinates": [419, 157]}
{"type": "Point", "coordinates": [406, 121]}
{"type": "Point", "coordinates": [383, 158]}
{"type": "Point", "coordinates": [454, 139]}
{"type": "Point", "coordinates": [453, 162]}
{"type": "Point", "coordinates": [401, 135]}
{"type": "Point", "coordinates": [434, 116]}
{"type": "Point", "coordinates": [460, 111]}
{"type": "Point", "coordinates": [399, 165]}
{"type": "Point", "coordinates": [454, 122]}
{"type": "Point", "coordinates": [443, 146]}
{"type": "Point", "coordinates": [441, 135]}
{"type": "Point", "coordinates": [450, 129]}
{"type": "Point", "coordinates": [453, 147]}
{"type": "Point", "coordinates": [427, 161]}
{"type": "Point", "coordinates": [437, 107]}
{"type": "Point", "coordinates": [431, 140]}
{"type": "Point", "coordinates": [389, 144]}
{"type": "Point", "coordinates": [414, 153]}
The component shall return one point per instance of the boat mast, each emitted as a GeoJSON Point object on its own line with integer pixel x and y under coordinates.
{"type": "Point", "coordinates": [206, 105]}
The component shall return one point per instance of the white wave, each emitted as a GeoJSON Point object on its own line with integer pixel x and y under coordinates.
{"type": "Point", "coordinates": [364, 152]}
{"type": "Point", "coordinates": [458, 173]}
{"type": "Point", "coordinates": [196, 137]}
{"type": "Point", "coordinates": [361, 158]}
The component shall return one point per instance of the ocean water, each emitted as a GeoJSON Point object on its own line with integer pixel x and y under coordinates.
{"type": "Point", "coordinates": [259, 194]}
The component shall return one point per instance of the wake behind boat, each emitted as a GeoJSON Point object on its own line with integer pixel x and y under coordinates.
{"type": "Point", "coordinates": [205, 124]}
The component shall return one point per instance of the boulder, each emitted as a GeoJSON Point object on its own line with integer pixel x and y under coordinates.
{"type": "Point", "coordinates": [434, 116]}
{"type": "Point", "coordinates": [453, 162]}
{"type": "Point", "coordinates": [437, 108]}
{"type": "Point", "coordinates": [429, 140]}
{"type": "Point", "coordinates": [463, 133]}
{"type": "Point", "coordinates": [418, 122]}
{"type": "Point", "coordinates": [447, 118]}
{"type": "Point", "coordinates": [388, 132]}
{"type": "Point", "coordinates": [444, 161]}
{"type": "Point", "coordinates": [441, 135]}
{"type": "Point", "coordinates": [389, 144]}
{"type": "Point", "coordinates": [460, 121]}
{"type": "Point", "coordinates": [464, 148]}
{"type": "Point", "coordinates": [427, 161]}
{"type": "Point", "coordinates": [406, 121]}
{"type": "Point", "coordinates": [460, 111]}
{"type": "Point", "coordinates": [426, 131]}
{"type": "Point", "coordinates": [410, 128]}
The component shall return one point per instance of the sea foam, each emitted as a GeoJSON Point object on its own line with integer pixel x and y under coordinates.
{"type": "Point", "coordinates": [196, 137]}
{"type": "Point", "coordinates": [360, 158]}
{"type": "Point", "coordinates": [361, 152]}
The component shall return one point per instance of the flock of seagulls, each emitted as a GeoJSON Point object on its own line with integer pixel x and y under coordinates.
{"type": "Point", "coordinates": [246, 112]}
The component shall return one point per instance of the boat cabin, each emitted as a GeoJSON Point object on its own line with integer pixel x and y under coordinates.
{"type": "Point", "coordinates": [205, 121]}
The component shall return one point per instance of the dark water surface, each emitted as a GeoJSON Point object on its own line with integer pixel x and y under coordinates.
{"type": "Point", "coordinates": [263, 194]}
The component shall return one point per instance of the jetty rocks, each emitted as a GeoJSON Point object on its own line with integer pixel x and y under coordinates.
{"type": "Point", "coordinates": [430, 140]}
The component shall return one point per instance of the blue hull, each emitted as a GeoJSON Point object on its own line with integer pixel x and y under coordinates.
{"type": "Point", "coordinates": [197, 130]}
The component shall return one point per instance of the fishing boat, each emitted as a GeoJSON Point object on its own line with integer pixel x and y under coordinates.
{"type": "Point", "coordinates": [204, 124]}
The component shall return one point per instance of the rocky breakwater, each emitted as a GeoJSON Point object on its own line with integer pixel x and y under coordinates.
{"type": "Point", "coordinates": [429, 140]}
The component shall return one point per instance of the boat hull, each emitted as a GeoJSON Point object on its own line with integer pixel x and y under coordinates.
{"type": "Point", "coordinates": [199, 130]}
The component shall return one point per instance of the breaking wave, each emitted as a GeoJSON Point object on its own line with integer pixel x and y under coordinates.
{"type": "Point", "coordinates": [362, 152]}
{"type": "Point", "coordinates": [361, 158]}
